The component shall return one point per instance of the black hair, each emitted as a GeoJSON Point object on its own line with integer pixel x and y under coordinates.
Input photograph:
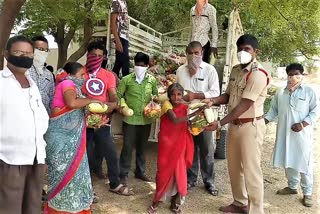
{"type": "Point", "coordinates": [96, 44]}
{"type": "Point", "coordinates": [72, 67]}
{"type": "Point", "coordinates": [295, 66]}
{"type": "Point", "coordinates": [192, 45]}
{"type": "Point", "coordinates": [16, 39]}
{"type": "Point", "coordinates": [141, 57]}
{"type": "Point", "coordinates": [40, 38]}
{"type": "Point", "coordinates": [50, 68]}
{"type": "Point", "coordinates": [248, 39]}
{"type": "Point", "coordinates": [174, 86]}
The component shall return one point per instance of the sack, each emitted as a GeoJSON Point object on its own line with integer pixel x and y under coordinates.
{"type": "Point", "coordinates": [96, 120]}
{"type": "Point", "coordinates": [152, 110]}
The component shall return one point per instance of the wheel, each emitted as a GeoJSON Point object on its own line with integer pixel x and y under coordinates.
{"type": "Point", "coordinates": [221, 147]}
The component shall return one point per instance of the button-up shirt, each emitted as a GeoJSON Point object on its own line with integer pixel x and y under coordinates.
{"type": "Point", "coordinates": [137, 96]}
{"type": "Point", "coordinates": [205, 80]}
{"type": "Point", "coordinates": [45, 82]}
{"type": "Point", "coordinates": [23, 121]}
{"type": "Point", "coordinates": [200, 25]}
{"type": "Point", "coordinates": [253, 87]}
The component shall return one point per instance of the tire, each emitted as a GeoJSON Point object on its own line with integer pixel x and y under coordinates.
{"type": "Point", "coordinates": [221, 148]}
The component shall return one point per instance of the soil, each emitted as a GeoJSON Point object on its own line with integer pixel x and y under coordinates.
{"type": "Point", "coordinates": [198, 200]}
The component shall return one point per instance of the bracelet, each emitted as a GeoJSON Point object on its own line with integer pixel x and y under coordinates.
{"type": "Point", "coordinates": [302, 125]}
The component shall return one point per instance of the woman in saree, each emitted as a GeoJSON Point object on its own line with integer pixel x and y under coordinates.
{"type": "Point", "coordinates": [175, 151]}
{"type": "Point", "coordinates": [69, 181]}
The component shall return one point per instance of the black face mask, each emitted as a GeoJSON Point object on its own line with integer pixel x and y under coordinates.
{"type": "Point", "coordinates": [20, 61]}
{"type": "Point", "coordinates": [104, 63]}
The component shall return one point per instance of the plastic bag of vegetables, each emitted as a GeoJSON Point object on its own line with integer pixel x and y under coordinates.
{"type": "Point", "coordinates": [96, 120]}
{"type": "Point", "coordinates": [198, 123]}
{"type": "Point", "coordinates": [152, 110]}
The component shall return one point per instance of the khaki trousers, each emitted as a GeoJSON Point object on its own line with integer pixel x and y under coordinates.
{"type": "Point", "coordinates": [244, 146]}
{"type": "Point", "coordinates": [21, 188]}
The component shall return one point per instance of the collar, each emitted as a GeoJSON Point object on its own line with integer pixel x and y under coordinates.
{"type": "Point", "coordinates": [8, 73]}
{"type": "Point", "coordinates": [249, 67]}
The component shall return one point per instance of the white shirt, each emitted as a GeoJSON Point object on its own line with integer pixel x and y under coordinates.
{"type": "Point", "coordinates": [23, 121]}
{"type": "Point", "coordinates": [205, 81]}
{"type": "Point", "coordinates": [200, 26]}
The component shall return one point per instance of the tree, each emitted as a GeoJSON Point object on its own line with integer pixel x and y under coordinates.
{"type": "Point", "coordinates": [9, 11]}
{"type": "Point", "coordinates": [66, 20]}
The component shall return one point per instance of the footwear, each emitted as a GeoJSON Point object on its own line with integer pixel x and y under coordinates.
{"type": "Point", "coordinates": [234, 209]}
{"type": "Point", "coordinates": [307, 201]}
{"type": "Point", "coordinates": [124, 180]}
{"type": "Point", "coordinates": [143, 177]}
{"type": "Point", "coordinates": [287, 191]}
{"type": "Point", "coordinates": [212, 190]}
{"type": "Point", "coordinates": [122, 190]}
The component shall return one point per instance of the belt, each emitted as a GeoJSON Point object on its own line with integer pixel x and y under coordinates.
{"type": "Point", "coordinates": [241, 121]}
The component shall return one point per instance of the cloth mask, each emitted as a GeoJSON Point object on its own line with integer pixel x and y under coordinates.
{"type": "Point", "coordinates": [194, 61]}
{"type": "Point", "coordinates": [244, 57]}
{"type": "Point", "coordinates": [140, 72]}
{"type": "Point", "coordinates": [93, 63]}
{"type": "Point", "coordinates": [294, 82]}
{"type": "Point", "coordinates": [39, 59]}
{"type": "Point", "coordinates": [20, 61]}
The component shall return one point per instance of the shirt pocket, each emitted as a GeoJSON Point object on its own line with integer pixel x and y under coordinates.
{"type": "Point", "coordinates": [299, 103]}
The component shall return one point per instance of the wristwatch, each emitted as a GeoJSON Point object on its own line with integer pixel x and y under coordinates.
{"type": "Point", "coordinates": [219, 124]}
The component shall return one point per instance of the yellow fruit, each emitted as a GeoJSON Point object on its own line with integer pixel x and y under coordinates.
{"type": "Point", "coordinates": [196, 105]}
{"type": "Point", "coordinates": [97, 108]}
{"type": "Point", "coordinates": [195, 131]}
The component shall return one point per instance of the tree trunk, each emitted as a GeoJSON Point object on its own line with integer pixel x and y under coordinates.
{"type": "Point", "coordinates": [87, 36]}
{"type": "Point", "coordinates": [9, 11]}
{"type": "Point", "coordinates": [62, 54]}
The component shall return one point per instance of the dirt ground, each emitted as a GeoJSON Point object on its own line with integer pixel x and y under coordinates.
{"type": "Point", "coordinates": [198, 200]}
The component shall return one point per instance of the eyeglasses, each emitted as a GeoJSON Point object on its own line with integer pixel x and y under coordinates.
{"type": "Point", "coordinates": [22, 53]}
{"type": "Point", "coordinates": [43, 49]}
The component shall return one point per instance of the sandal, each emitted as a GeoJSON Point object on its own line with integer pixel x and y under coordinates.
{"type": "Point", "coordinates": [152, 210]}
{"type": "Point", "coordinates": [122, 190]}
{"type": "Point", "coordinates": [213, 191]}
{"type": "Point", "coordinates": [95, 198]}
{"type": "Point", "coordinates": [176, 209]}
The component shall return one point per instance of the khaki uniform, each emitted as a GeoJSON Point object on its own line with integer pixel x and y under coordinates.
{"type": "Point", "coordinates": [245, 140]}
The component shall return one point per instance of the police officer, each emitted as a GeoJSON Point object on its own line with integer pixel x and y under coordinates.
{"type": "Point", "coordinates": [245, 95]}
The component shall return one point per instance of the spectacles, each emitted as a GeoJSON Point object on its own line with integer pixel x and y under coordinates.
{"type": "Point", "coordinates": [22, 53]}
{"type": "Point", "coordinates": [43, 49]}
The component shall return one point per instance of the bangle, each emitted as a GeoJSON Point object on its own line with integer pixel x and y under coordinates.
{"type": "Point", "coordinates": [302, 125]}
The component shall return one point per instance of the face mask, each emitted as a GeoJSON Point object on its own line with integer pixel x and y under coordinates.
{"type": "Point", "coordinates": [93, 63]}
{"type": "Point", "coordinates": [20, 61]}
{"type": "Point", "coordinates": [294, 81]}
{"type": "Point", "coordinates": [244, 57]}
{"type": "Point", "coordinates": [40, 58]}
{"type": "Point", "coordinates": [194, 62]}
{"type": "Point", "coordinates": [140, 72]}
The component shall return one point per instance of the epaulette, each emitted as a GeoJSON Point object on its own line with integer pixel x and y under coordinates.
{"type": "Point", "coordinates": [255, 68]}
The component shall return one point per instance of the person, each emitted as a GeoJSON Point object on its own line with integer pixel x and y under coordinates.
{"type": "Point", "coordinates": [23, 122]}
{"type": "Point", "coordinates": [69, 181]}
{"type": "Point", "coordinates": [200, 80]}
{"type": "Point", "coordinates": [175, 151]}
{"type": "Point", "coordinates": [203, 17]}
{"type": "Point", "coordinates": [137, 90]}
{"type": "Point", "coordinates": [120, 31]}
{"type": "Point", "coordinates": [50, 68]}
{"type": "Point", "coordinates": [245, 95]}
{"type": "Point", "coordinates": [100, 84]}
{"type": "Point", "coordinates": [40, 74]}
{"type": "Point", "coordinates": [296, 108]}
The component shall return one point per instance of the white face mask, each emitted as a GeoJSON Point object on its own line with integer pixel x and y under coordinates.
{"type": "Point", "coordinates": [39, 58]}
{"type": "Point", "coordinates": [244, 57]}
{"type": "Point", "coordinates": [140, 72]}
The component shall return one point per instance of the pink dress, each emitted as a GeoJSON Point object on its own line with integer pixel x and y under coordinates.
{"type": "Point", "coordinates": [58, 101]}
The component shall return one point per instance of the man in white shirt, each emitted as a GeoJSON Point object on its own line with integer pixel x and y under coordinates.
{"type": "Point", "coordinates": [23, 122]}
{"type": "Point", "coordinates": [203, 18]}
{"type": "Point", "coordinates": [201, 81]}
